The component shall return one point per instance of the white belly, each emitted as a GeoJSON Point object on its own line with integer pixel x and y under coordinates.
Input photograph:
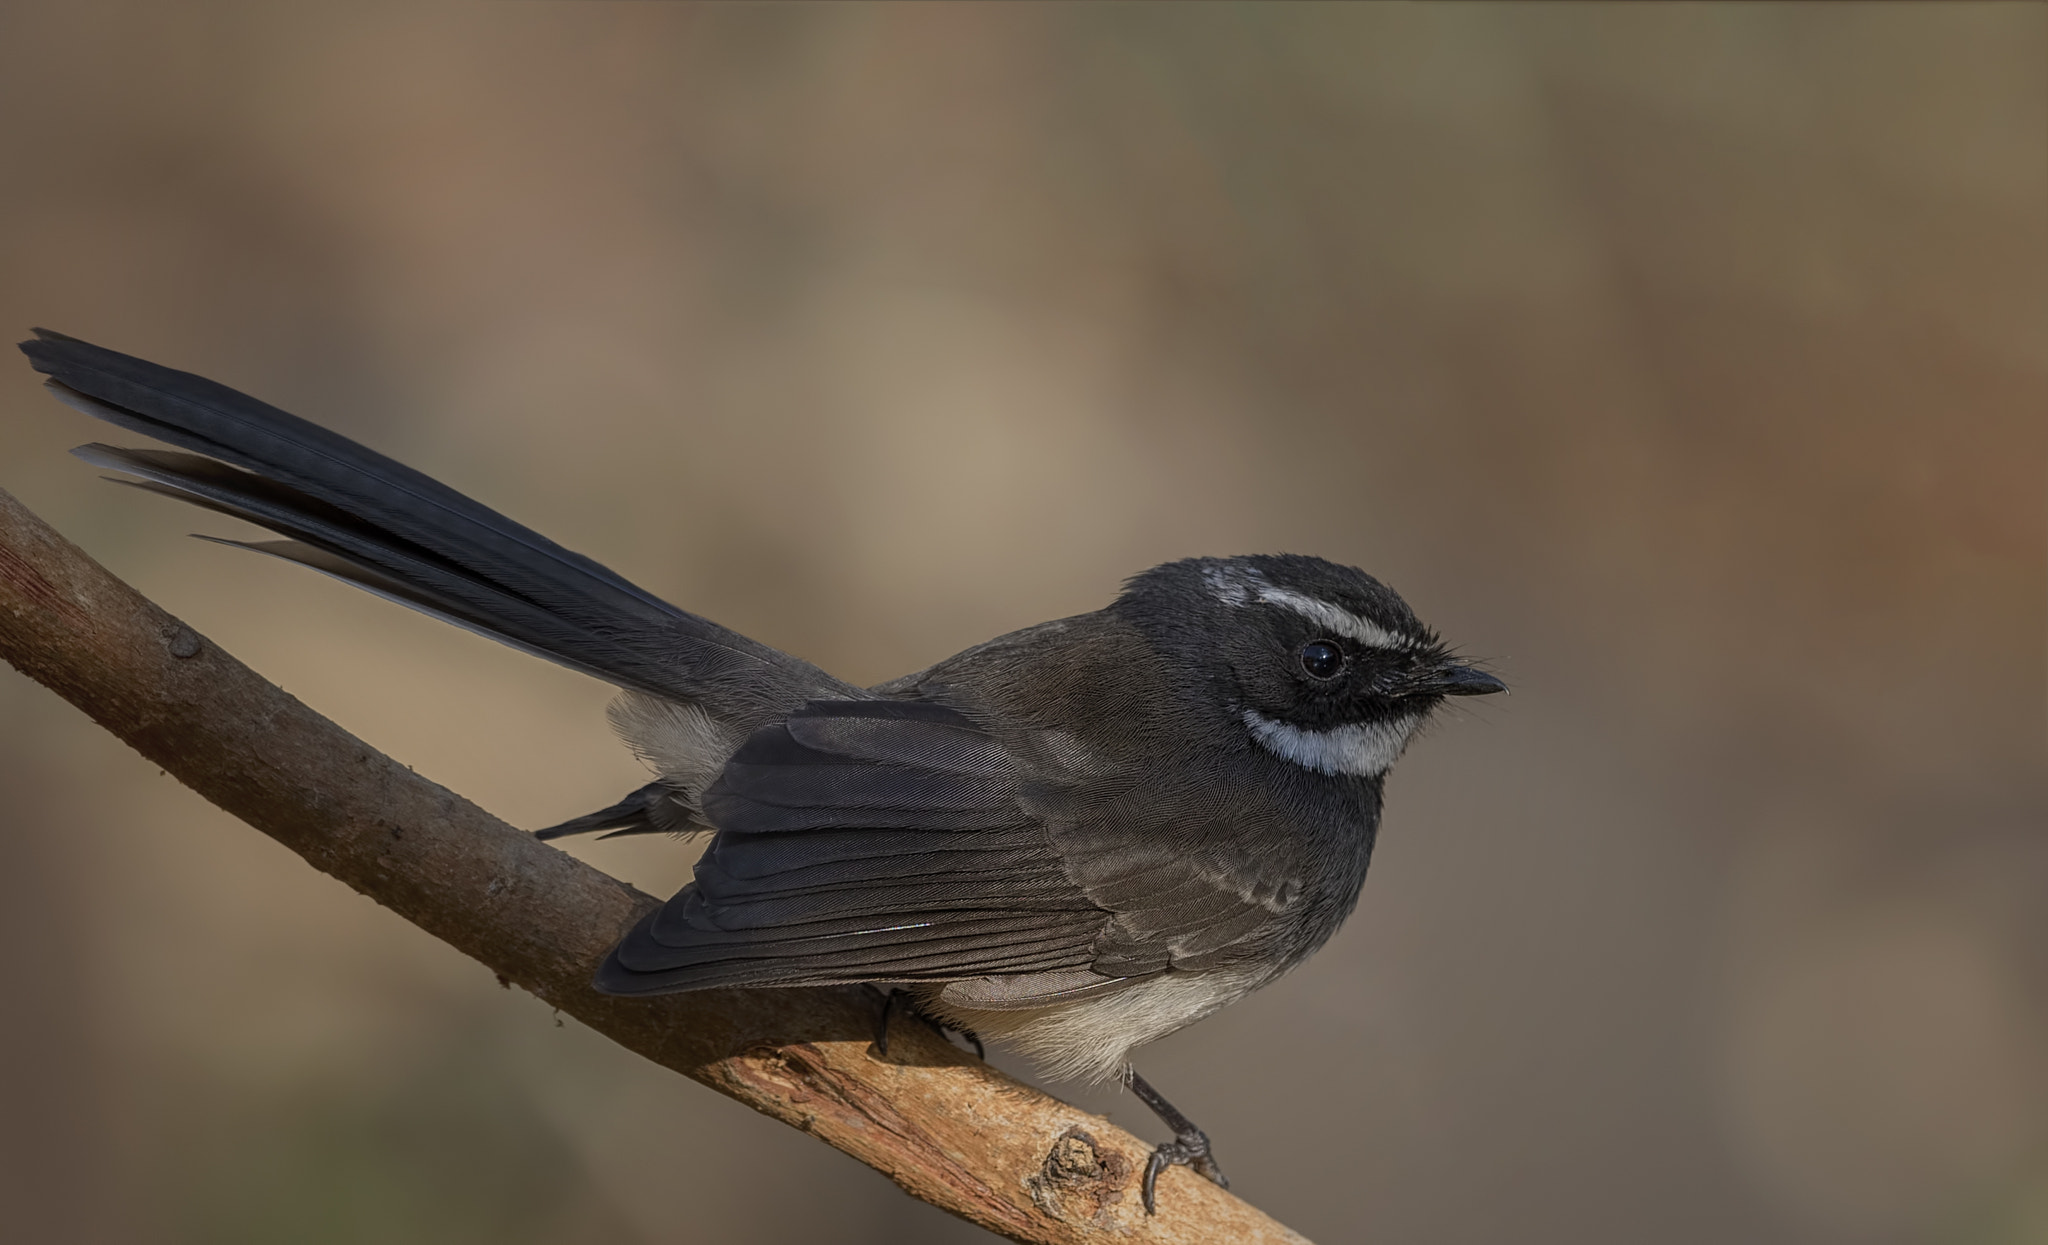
{"type": "Point", "coordinates": [1091, 1039]}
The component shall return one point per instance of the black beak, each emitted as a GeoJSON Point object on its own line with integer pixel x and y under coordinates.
{"type": "Point", "coordinates": [1464, 681]}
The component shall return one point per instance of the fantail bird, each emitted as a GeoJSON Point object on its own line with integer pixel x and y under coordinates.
{"type": "Point", "coordinates": [1074, 839]}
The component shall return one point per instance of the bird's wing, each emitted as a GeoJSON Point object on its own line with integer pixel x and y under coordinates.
{"type": "Point", "coordinates": [883, 840]}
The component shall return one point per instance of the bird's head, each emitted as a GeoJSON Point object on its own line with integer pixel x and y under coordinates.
{"type": "Point", "coordinates": [1320, 664]}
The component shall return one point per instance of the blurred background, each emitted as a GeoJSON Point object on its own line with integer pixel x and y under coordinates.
{"type": "Point", "coordinates": [1690, 363]}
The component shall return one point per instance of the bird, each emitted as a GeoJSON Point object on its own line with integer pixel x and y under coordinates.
{"type": "Point", "coordinates": [1072, 840]}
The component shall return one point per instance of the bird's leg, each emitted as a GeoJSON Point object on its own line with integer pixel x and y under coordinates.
{"type": "Point", "coordinates": [893, 1001]}
{"type": "Point", "coordinates": [1189, 1147]}
{"type": "Point", "coordinates": [888, 1012]}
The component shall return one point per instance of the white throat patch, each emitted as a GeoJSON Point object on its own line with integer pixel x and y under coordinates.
{"type": "Point", "coordinates": [1366, 750]}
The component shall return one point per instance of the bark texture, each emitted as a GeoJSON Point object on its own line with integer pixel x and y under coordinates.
{"type": "Point", "coordinates": [946, 1127]}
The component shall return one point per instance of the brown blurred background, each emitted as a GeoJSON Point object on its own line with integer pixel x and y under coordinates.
{"type": "Point", "coordinates": [1690, 362]}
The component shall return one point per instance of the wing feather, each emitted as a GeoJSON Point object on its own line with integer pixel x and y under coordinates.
{"type": "Point", "coordinates": [887, 840]}
{"type": "Point", "coordinates": [862, 841]}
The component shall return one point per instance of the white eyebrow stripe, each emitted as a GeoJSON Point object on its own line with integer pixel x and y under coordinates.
{"type": "Point", "coordinates": [1227, 586]}
{"type": "Point", "coordinates": [1364, 749]}
{"type": "Point", "coordinates": [1341, 621]}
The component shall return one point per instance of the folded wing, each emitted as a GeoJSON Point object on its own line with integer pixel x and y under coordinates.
{"type": "Point", "coordinates": [899, 841]}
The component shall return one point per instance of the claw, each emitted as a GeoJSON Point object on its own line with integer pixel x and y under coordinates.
{"type": "Point", "coordinates": [888, 1001]}
{"type": "Point", "coordinates": [1189, 1149]}
{"type": "Point", "coordinates": [896, 1000]}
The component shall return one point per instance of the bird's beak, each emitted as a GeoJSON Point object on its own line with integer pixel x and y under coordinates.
{"type": "Point", "coordinates": [1462, 681]}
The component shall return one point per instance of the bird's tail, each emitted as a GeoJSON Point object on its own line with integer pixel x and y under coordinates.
{"type": "Point", "coordinates": [376, 523]}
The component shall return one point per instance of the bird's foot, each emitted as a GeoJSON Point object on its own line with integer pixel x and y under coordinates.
{"type": "Point", "coordinates": [1189, 1147]}
{"type": "Point", "coordinates": [894, 1001]}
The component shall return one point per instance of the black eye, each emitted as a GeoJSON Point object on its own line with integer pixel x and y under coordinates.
{"type": "Point", "coordinates": [1322, 659]}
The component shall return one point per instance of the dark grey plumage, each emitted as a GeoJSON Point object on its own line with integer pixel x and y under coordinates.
{"type": "Point", "coordinates": [1077, 837]}
{"type": "Point", "coordinates": [999, 846]}
{"type": "Point", "coordinates": [363, 517]}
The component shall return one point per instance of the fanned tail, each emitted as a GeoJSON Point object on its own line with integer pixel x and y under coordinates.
{"type": "Point", "coordinates": [364, 518]}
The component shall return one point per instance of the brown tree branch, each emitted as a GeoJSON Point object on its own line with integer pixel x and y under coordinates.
{"type": "Point", "coordinates": [949, 1129]}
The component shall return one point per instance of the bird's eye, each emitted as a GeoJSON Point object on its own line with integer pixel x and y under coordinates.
{"type": "Point", "coordinates": [1322, 659]}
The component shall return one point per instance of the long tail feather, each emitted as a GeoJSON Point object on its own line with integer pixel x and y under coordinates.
{"type": "Point", "coordinates": [357, 515]}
